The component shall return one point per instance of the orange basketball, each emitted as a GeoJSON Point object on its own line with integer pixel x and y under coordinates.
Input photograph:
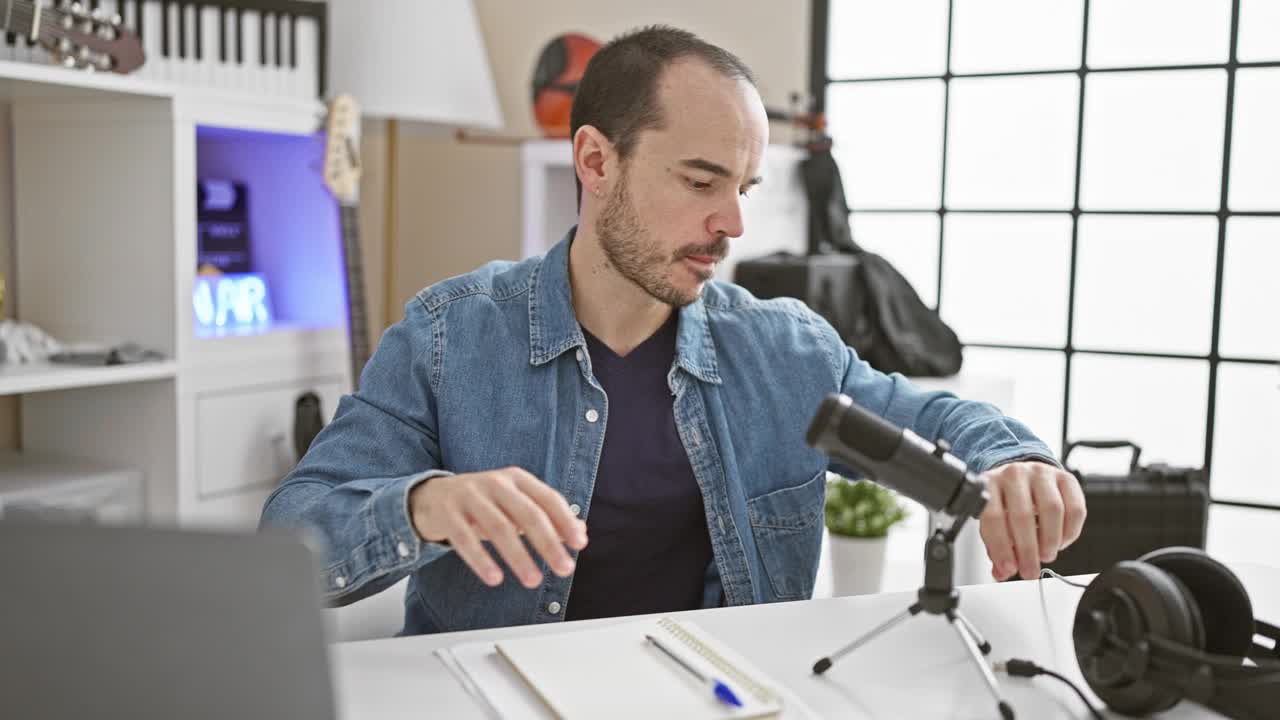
{"type": "Point", "coordinates": [555, 80]}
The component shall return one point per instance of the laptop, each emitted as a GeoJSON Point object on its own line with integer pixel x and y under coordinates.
{"type": "Point", "coordinates": [141, 623]}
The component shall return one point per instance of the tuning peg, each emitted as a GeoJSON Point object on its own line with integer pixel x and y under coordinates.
{"type": "Point", "coordinates": [115, 20]}
{"type": "Point", "coordinates": [77, 8]}
{"type": "Point", "coordinates": [68, 61]}
{"type": "Point", "coordinates": [104, 62]}
{"type": "Point", "coordinates": [64, 46]}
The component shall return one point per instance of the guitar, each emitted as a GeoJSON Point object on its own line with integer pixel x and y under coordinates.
{"type": "Point", "coordinates": [74, 35]}
{"type": "Point", "coordinates": [342, 177]}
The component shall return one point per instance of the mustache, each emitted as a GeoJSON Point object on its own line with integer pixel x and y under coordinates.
{"type": "Point", "coordinates": [717, 250]}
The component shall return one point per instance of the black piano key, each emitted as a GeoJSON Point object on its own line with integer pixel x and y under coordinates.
{"type": "Point", "coordinates": [137, 18]}
{"type": "Point", "coordinates": [164, 27]}
{"type": "Point", "coordinates": [279, 35]}
{"type": "Point", "coordinates": [239, 36]}
{"type": "Point", "coordinates": [10, 39]}
{"type": "Point", "coordinates": [222, 33]}
{"type": "Point", "coordinates": [199, 49]}
{"type": "Point", "coordinates": [93, 4]}
{"type": "Point", "coordinates": [293, 41]}
{"type": "Point", "coordinates": [182, 29]}
{"type": "Point", "coordinates": [262, 39]}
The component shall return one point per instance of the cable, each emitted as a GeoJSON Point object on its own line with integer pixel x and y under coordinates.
{"type": "Point", "coordinates": [1046, 572]}
{"type": "Point", "coordinates": [1027, 669]}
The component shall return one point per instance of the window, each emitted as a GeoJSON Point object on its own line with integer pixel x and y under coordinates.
{"type": "Point", "coordinates": [1089, 193]}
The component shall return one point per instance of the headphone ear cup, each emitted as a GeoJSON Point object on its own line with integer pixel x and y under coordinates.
{"type": "Point", "coordinates": [1225, 608]}
{"type": "Point", "coordinates": [1130, 600]}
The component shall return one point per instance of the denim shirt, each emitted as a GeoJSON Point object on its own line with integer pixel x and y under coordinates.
{"type": "Point", "coordinates": [490, 369]}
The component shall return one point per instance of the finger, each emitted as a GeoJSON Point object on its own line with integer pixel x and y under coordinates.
{"type": "Point", "coordinates": [506, 540]}
{"type": "Point", "coordinates": [530, 518]}
{"type": "Point", "coordinates": [1049, 511]}
{"type": "Point", "coordinates": [1074, 510]}
{"type": "Point", "coordinates": [570, 529]}
{"type": "Point", "coordinates": [995, 534]}
{"type": "Point", "coordinates": [468, 546]}
{"type": "Point", "coordinates": [1021, 517]}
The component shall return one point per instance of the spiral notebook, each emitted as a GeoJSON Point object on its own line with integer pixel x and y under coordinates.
{"type": "Point", "coordinates": [613, 672]}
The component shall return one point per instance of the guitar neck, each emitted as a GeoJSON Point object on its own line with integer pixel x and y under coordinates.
{"type": "Point", "coordinates": [357, 322]}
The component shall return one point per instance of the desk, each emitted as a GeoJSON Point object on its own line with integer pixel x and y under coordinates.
{"type": "Point", "coordinates": [919, 670]}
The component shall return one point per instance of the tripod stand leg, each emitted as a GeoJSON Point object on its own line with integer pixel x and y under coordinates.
{"type": "Point", "coordinates": [825, 663]}
{"type": "Point", "coordinates": [971, 644]}
{"type": "Point", "coordinates": [983, 645]}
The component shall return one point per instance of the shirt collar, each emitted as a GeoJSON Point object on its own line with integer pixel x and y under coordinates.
{"type": "Point", "coordinates": [553, 325]}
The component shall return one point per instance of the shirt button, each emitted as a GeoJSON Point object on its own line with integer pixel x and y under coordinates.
{"type": "Point", "coordinates": [402, 550]}
{"type": "Point", "coordinates": [340, 581]}
{"type": "Point", "coordinates": [554, 608]}
{"type": "Point", "coordinates": [575, 509]}
{"type": "Point", "coordinates": [578, 355]}
{"type": "Point", "coordinates": [592, 415]}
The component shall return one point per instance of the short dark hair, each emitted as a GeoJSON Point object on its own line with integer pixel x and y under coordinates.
{"type": "Point", "coordinates": [618, 93]}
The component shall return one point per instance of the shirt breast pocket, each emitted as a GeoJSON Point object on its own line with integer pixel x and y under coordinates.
{"type": "Point", "coordinates": [787, 525]}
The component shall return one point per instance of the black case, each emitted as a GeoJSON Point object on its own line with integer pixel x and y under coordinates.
{"type": "Point", "coordinates": [1129, 515]}
{"type": "Point", "coordinates": [823, 282]}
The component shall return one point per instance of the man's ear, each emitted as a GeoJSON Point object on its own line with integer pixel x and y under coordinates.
{"type": "Point", "coordinates": [593, 157]}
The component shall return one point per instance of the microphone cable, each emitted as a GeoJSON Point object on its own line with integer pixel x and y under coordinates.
{"type": "Point", "coordinates": [1017, 667]}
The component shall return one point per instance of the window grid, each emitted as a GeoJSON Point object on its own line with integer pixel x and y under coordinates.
{"type": "Point", "coordinates": [819, 82]}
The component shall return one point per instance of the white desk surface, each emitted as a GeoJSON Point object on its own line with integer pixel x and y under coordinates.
{"type": "Point", "coordinates": [917, 670]}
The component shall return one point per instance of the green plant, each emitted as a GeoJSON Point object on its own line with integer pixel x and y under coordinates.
{"type": "Point", "coordinates": [861, 508]}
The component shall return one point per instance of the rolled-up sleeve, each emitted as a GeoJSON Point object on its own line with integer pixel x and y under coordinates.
{"type": "Point", "coordinates": [351, 489]}
{"type": "Point", "coordinates": [978, 432]}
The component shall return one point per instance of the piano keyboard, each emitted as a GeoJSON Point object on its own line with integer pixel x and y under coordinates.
{"type": "Point", "coordinates": [268, 47]}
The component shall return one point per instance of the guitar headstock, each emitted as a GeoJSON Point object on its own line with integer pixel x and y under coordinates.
{"type": "Point", "coordinates": [92, 40]}
{"type": "Point", "coordinates": [342, 149]}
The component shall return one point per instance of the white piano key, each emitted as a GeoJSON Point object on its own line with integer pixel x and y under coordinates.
{"type": "Point", "coordinates": [288, 76]}
{"type": "Point", "coordinates": [173, 67]}
{"type": "Point", "coordinates": [187, 62]}
{"type": "Point", "coordinates": [269, 54]}
{"type": "Point", "coordinates": [252, 70]}
{"type": "Point", "coordinates": [230, 73]}
{"type": "Point", "coordinates": [152, 19]}
{"type": "Point", "coordinates": [308, 57]}
{"type": "Point", "coordinates": [208, 64]}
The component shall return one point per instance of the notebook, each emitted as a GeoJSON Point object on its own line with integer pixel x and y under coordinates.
{"type": "Point", "coordinates": [614, 672]}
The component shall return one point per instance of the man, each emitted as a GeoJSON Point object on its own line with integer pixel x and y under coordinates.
{"type": "Point", "coordinates": [612, 389]}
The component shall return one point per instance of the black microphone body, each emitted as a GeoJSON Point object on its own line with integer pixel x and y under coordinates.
{"type": "Point", "coordinates": [896, 458]}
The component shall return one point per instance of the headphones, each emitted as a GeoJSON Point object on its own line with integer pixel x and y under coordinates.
{"type": "Point", "coordinates": [1175, 623]}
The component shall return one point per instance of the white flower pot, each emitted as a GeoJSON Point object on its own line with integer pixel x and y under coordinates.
{"type": "Point", "coordinates": [857, 564]}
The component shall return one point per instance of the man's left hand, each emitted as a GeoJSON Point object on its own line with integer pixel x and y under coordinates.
{"type": "Point", "coordinates": [1034, 511]}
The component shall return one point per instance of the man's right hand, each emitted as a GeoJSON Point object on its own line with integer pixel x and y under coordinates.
{"type": "Point", "coordinates": [498, 506]}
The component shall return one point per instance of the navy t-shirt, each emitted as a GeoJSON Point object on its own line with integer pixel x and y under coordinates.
{"type": "Point", "coordinates": [649, 547]}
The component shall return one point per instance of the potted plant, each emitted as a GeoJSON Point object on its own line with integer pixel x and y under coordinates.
{"type": "Point", "coordinates": [859, 514]}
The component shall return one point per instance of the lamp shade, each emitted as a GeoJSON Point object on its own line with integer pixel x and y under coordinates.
{"type": "Point", "coordinates": [419, 60]}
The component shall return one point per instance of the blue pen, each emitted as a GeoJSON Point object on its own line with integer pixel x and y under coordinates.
{"type": "Point", "coordinates": [722, 691]}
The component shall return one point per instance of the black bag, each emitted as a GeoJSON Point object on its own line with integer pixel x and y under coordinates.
{"type": "Point", "coordinates": [906, 336]}
{"type": "Point", "coordinates": [876, 311]}
{"type": "Point", "coordinates": [1132, 514]}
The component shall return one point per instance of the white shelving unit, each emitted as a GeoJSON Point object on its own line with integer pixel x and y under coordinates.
{"type": "Point", "coordinates": [105, 229]}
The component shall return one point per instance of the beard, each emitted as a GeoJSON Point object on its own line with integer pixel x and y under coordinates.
{"type": "Point", "coordinates": [638, 257]}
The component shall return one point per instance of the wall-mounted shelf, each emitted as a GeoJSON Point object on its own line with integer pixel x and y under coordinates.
{"type": "Point", "coordinates": [44, 376]}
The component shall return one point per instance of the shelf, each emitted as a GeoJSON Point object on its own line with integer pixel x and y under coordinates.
{"type": "Point", "coordinates": [40, 377]}
{"type": "Point", "coordinates": [51, 82]}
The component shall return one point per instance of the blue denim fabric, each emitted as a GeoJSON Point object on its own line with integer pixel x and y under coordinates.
{"type": "Point", "coordinates": [489, 370]}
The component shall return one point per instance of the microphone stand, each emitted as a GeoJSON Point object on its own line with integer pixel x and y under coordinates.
{"type": "Point", "coordinates": [938, 596]}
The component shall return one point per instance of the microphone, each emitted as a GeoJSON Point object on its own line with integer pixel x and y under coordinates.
{"type": "Point", "coordinates": [896, 458]}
